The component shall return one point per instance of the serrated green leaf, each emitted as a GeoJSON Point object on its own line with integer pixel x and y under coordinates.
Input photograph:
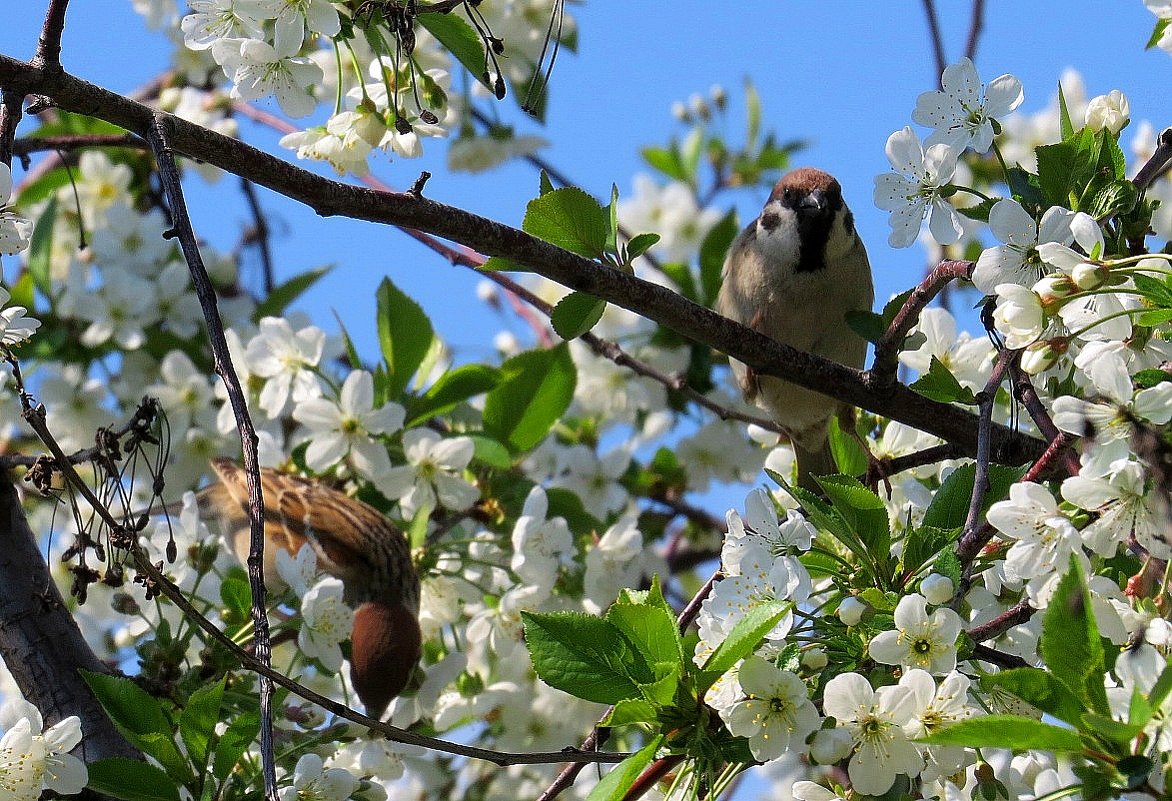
{"type": "Point", "coordinates": [198, 719]}
{"type": "Point", "coordinates": [451, 389]}
{"type": "Point", "coordinates": [140, 718]}
{"type": "Point", "coordinates": [544, 185]}
{"type": "Point", "coordinates": [878, 600]}
{"type": "Point", "coordinates": [131, 780]}
{"type": "Point", "coordinates": [980, 211]}
{"type": "Point", "coordinates": [662, 692]}
{"type": "Point", "coordinates": [615, 784]}
{"type": "Point", "coordinates": [950, 505]}
{"type": "Point", "coordinates": [1154, 317]}
{"type": "Point", "coordinates": [650, 630]}
{"type": "Point", "coordinates": [1117, 197]}
{"type": "Point", "coordinates": [576, 313]}
{"type": "Point", "coordinates": [584, 656]}
{"type": "Point", "coordinates": [1156, 290]}
{"type": "Point", "coordinates": [235, 740]}
{"type": "Point", "coordinates": [631, 711]}
{"type": "Point", "coordinates": [570, 219]}
{"type": "Point", "coordinates": [745, 637]}
{"type": "Point", "coordinates": [536, 390]}
{"type": "Point", "coordinates": [1039, 688]}
{"type": "Point", "coordinates": [1146, 379]}
{"type": "Point", "coordinates": [941, 385]}
{"type": "Point", "coordinates": [236, 595]}
{"type": "Point", "coordinates": [1007, 731]}
{"type": "Point", "coordinates": [1025, 188]}
{"type": "Point", "coordinates": [864, 513]}
{"type": "Point", "coordinates": [459, 37]}
{"type": "Point", "coordinates": [923, 543]}
{"type": "Point", "coordinates": [1071, 644]}
{"type": "Point", "coordinates": [713, 250]}
{"type": "Point", "coordinates": [404, 335]}
{"type": "Point", "coordinates": [849, 456]}
{"type": "Point", "coordinates": [283, 296]}
{"type": "Point", "coordinates": [1108, 728]}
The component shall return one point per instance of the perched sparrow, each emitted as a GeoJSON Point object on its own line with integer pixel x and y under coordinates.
{"type": "Point", "coordinates": [793, 274]}
{"type": "Point", "coordinates": [352, 541]}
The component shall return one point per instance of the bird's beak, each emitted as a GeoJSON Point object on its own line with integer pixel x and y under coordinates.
{"type": "Point", "coordinates": [815, 201]}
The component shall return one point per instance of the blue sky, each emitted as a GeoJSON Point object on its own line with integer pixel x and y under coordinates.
{"type": "Point", "coordinates": [842, 75]}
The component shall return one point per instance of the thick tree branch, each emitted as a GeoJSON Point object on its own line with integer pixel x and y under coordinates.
{"type": "Point", "coordinates": [49, 45]}
{"type": "Point", "coordinates": [327, 197]}
{"type": "Point", "coordinates": [40, 641]}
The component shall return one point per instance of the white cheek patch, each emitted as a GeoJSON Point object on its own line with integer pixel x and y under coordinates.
{"type": "Point", "coordinates": [777, 234]}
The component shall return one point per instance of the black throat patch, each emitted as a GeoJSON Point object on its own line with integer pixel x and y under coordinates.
{"type": "Point", "coordinates": [814, 232]}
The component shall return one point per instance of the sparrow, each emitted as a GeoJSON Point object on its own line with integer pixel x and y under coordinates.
{"type": "Point", "coordinates": [352, 541]}
{"type": "Point", "coordinates": [793, 274]}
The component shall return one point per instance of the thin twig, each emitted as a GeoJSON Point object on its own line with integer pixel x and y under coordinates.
{"type": "Point", "coordinates": [159, 137]}
{"type": "Point", "coordinates": [883, 369]}
{"type": "Point", "coordinates": [48, 55]}
{"type": "Point", "coordinates": [34, 144]}
{"type": "Point", "coordinates": [260, 234]}
{"type": "Point", "coordinates": [1013, 616]}
{"type": "Point", "coordinates": [937, 38]}
{"type": "Point", "coordinates": [976, 26]}
{"type": "Point", "coordinates": [10, 116]}
{"type": "Point", "coordinates": [998, 658]}
{"type": "Point", "coordinates": [986, 399]}
{"type": "Point", "coordinates": [393, 733]}
{"type": "Point", "coordinates": [1024, 391]}
{"type": "Point", "coordinates": [936, 453]}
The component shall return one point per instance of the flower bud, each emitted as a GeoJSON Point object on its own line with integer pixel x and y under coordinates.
{"type": "Point", "coordinates": [1110, 111]}
{"type": "Point", "coordinates": [1089, 276]}
{"type": "Point", "coordinates": [815, 659]}
{"type": "Point", "coordinates": [937, 589]}
{"type": "Point", "coordinates": [851, 610]}
{"type": "Point", "coordinates": [1040, 356]}
{"type": "Point", "coordinates": [830, 746]}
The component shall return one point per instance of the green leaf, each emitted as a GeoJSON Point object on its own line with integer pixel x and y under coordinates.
{"type": "Point", "coordinates": [1158, 33]}
{"type": "Point", "coordinates": [941, 385]}
{"type": "Point", "coordinates": [283, 295]}
{"type": "Point", "coordinates": [490, 452]}
{"type": "Point", "coordinates": [584, 656]}
{"type": "Point", "coordinates": [544, 185]}
{"type": "Point", "coordinates": [1025, 188]}
{"type": "Point", "coordinates": [630, 711]}
{"type": "Point", "coordinates": [576, 313]}
{"type": "Point", "coordinates": [950, 506]}
{"type": "Point", "coordinates": [140, 718]}
{"type": "Point", "coordinates": [43, 188]}
{"type": "Point", "coordinates": [235, 740]}
{"type": "Point", "coordinates": [131, 780]}
{"type": "Point", "coordinates": [40, 247]}
{"type": "Point", "coordinates": [1007, 731]}
{"type": "Point", "coordinates": [404, 333]}
{"type": "Point", "coordinates": [236, 595]}
{"type": "Point", "coordinates": [458, 36]}
{"type": "Point", "coordinates": [690, 152]}
{"type": "Point", "coordinates": [665, 160]}
{"type": "Point", "coordinates": [1157, 291]}
{"type": "Point", "coordinates": [863, 512]}
{"type": "Point", "coordinates": [640, 244]}
{"type": "Point", "coordinates": [1108, 728]}
{"type": "Point", "coordinates": [570, 219]}
{"type": "Point", "coordinates": [681, 275]}
{"type": "Point", "coordinates": [980, 211]}
{"type": "Point", "coordinates": [1117, 197]}
{"type": "Point", "coordinates": [614, 785]}
{"type": "Point", "coordinates": [1071, 644]}
{"type": "Point", "coordinates": [752, 114]}
{"type": "Point", "coordinates": [866, 324]}
{"type": "Point", "coordinates": [1041, 689]}
{"type": "Point", "coordinates": [1066, 127]}
{"type": "Point", "coordinates": [612, 230]}
{"type": "Point", "coordinates": [849, 456]}
{"type": "Point", "coordinates": [713, 250]}
{"type": "Point", "coordinates": [1154, 317]}
{"type": "Point", "coordinates": [651, 630]}
{"type": "Point", "coordinates": [198, 719]}
{"type": "Point", "coordinates": [499, 264]}
{"type": "Point", "coordinates": [537, 388]}
{"type": "Point", "coordinates": [451, 389]}
{"type": "Point", "coordinates": [923, 543]}
{"type": "Point", "coordinates": [745, 637]}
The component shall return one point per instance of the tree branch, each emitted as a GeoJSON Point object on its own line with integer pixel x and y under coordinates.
{"type": "Point", "coordinates": [765, 355]}
{"type": "Point", "coordinates": [48, 54]}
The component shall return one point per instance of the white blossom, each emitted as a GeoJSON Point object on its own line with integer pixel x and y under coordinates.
{"type": "Point", "coordinates": [919, 641]}
{"type": "Point", "coordinates": [960, 112]}
{"type": "Point", "coordinates": [915, 190]}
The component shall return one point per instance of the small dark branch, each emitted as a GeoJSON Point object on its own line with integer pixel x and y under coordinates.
{"type": "Point", "coordinates": [416, 189]}
{"type": "Point", "coordinates": [886, 364]}
{"type": "Point", "coordinates": [1158, 164]}
{"type": "Point", "coordinates": [259, 235]}
{"type": "Point", "coordinates": [652, 775]}
{"type": "Point", "coordinates": [976, 26]}
{"type": "Point", "coordinates": [159, 136]}
{"type": "Point", "coordinates": [48, 56]}
{"type": "Point", "coordinates": [10, 115]}
{"type": "Point", "coordinates": [35, 144]}
{"type": "Point", "coordinates": [699, 516]}
{"type": "Point", "coordinates": [998, 658]}
{"type": "Point", "coordinates": [692, 610]}
{"type": "Point", "coordinates": [1045, 463]}
{"type": "Point", "coordinates": [1023, 390]}
{"type": "Point", "coordinates": [985, 402]}
{"type": "Point", "coordinates": [9, 460]}
{"type": "Point", "coordinates": [937, 38]}
{"type": "Point", "coordinates": [393, 733]}
{"type": "Point", "coordinates": [1013, 616]}
{"type": "Point", "coordinates": [937, 453]}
